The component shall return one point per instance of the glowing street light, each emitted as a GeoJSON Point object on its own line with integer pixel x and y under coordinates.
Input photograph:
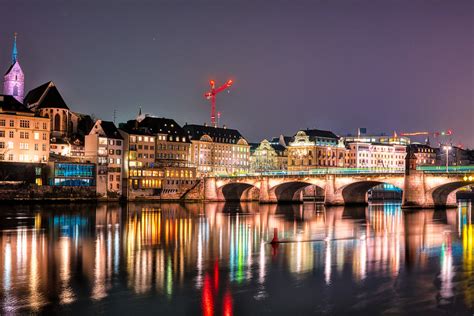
{"type": "Point", "coordinates": [447, 148]}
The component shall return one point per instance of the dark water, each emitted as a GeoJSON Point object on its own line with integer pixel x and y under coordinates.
{"type": "Point", "coordinates": [215, 260]}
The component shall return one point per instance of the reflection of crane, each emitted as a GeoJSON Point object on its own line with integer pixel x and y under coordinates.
{"type": "Point", "coordinates": [211, 95]}
{"type": "Point", "coordinates": [435, 135]}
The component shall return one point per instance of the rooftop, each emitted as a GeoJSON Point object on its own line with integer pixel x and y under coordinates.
{"type": "Point", "coordinates": [11, 105]}
{"type": "Point", "coordinates": [218, 134]}
{"type": "Point", "coordinates": [45, 96]}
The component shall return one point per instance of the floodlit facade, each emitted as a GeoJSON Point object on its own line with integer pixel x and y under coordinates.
{"type": "Point", "coordinates": [218, 150]}
{"type": "Point", "coordinates": [24, 137]}
{"type": "Point", "coordinates": [266, 156]}
{"type": "Point", "coordinates": [424, 154]}
{"type": "Point", "coordinates": [14, 79]}
{"type": "Point", "coordinates": [170, 156]}
{"type": "Point", "coordinates": [141, 175]}
{"type": "Point", "coordinates": [104, 146]}
{"type": "Point", "coordinates": [376, 156]}
{"type": "Point", "coordinates": [312, 149]}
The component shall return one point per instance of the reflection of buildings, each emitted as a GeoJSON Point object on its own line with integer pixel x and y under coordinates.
{"type": "Point", "coordinates": [149, 248]}
{"type": "Point", "coordinates": [466, 231]}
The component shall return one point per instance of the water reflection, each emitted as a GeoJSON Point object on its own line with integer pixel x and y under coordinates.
{"type": "Point", "coordinates": [206, 259]}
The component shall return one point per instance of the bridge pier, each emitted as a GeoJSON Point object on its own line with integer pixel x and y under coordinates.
{"type": "Point", "coordinates": [266, 195]}
{"type": "Point", "coordinates": [210, 190]}
{"type": "Point", "coordinates": [332, 196]}
{"type": "Point", "coordinates": [414, 191]}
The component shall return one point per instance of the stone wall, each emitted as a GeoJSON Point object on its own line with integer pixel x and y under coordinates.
{"type": "Point", "coordinates": [46, 193]}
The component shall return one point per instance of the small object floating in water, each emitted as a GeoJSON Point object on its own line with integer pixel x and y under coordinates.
{"type": "Point", "coordinates": [275, 236]}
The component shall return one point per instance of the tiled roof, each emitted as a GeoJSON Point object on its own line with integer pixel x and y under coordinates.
{"type": "Point", "coordinates": [157, 125]}
{"type": "Point", "coordinates": [33, 96]}
{"type": "Point", "coordinates": [320, 133]}
{"type": "Point", "coordinates": [9, 104]}
{"type": "Point", "coordinates": [47, 95]}
{"type": "Point", "coordinates": [110, 130]}
{"type": "Point", "coordinates": [218, 134]}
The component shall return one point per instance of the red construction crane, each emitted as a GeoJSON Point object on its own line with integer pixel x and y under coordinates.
{"type": "Point", "coordinates": [435, 134]}
{"type": "Point", "coordinates": [211, 95]}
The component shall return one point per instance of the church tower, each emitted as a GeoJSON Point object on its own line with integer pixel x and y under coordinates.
{"type": "Point", "coordinates": [14, 79]}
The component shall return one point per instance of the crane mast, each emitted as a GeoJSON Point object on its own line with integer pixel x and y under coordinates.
{"type": "Point", "coordinates": [211, 95]}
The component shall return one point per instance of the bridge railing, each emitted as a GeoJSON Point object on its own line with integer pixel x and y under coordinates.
{"type": "Point", "coordinates": [450, 169]}
{"type": "Point", "coordinates": [320, 171]}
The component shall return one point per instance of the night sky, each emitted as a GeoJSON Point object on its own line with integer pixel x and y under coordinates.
{"type": "Point", "coordinates": [404, 65]}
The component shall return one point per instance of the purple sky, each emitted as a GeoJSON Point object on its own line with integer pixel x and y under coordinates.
{"type": "Point", "coordinates": [404, 65]}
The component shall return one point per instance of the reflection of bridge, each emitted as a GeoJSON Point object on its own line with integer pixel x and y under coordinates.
{"type": "Point", "coordinates": [421, 189]}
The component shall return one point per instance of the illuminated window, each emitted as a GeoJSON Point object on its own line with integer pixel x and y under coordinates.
{"type": "Point", "coordinates": [24, 123]}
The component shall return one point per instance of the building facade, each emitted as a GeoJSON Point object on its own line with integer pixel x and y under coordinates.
{"type": "Point", "coordinates": [68, 128]}
{"type": "Point", "coordinates": [218, 151]}
{"type": "Point", "coordinates": [376, 156]}
{"type": "Point", "coordinates": [141, 175]}
{"type": "Point", "coordinates": [171, 153]}
{"type": "Point", "coordinates": [24, 137]}
{"type": "Point", "coordinates": [71, 174]}
{"type": "Point", "coordinates": [267, 156]}
{"type": "Point", "coordinates": [424, 154]}
{"type": "Point", "coordinates": [104, 147]}
{"type": "Point", "coordinates": [363, 137]}
{"type": "Point", "coordinates": [312, 149]}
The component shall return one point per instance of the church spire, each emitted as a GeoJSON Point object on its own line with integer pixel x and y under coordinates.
{"type": "Point", "coordinates": [14, 50]}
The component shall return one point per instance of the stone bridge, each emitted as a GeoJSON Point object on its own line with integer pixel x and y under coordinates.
{"type": "Point", "coordinates": [420, 190]}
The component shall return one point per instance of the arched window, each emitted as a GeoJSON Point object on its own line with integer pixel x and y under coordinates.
{"type": "Point", "coordinates": [64, 125]}
{"type": "Point", "coordinates": [15, 91]}
{"type": "Point", "coordinates": [57, 122]}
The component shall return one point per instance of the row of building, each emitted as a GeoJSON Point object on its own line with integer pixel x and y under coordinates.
{"type": "Point", "coordinates": [152, 157]}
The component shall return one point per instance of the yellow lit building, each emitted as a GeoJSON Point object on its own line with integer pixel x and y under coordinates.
{"type": "Point", "coordinates": [266, 156]}
{"type": "Point", "coordinates": [311, 149]}
{"type": "Point", "coordinates": [141, 175]}
{"type": "Point", "coordinates": [24, 137]}
{"type": "Point", "coordinates": [218, 151]}
{"type": "Point", "coordinates": [170, 155]}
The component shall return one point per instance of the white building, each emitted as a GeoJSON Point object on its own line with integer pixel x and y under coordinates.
{"type": "Point", "coordinates": [104, 146]}
{"type": "Point", "coordinates": [375, 156]}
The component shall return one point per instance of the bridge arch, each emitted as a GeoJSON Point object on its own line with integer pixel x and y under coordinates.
{"type": "Point", "coordinates": [289, 191]}
{"type": "Point", "coordinates": [445, 195]}
{"type": "Point", "coordinates": [237, 191]}
{"type": "Point", "coordinates": [356, 193]}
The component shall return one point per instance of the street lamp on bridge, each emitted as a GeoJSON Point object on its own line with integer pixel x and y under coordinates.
{"type": "Point", "coordinates": [447, 148]}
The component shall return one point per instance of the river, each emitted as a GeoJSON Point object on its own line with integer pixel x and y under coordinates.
{"type": "Point", "coordinates": [215, 259]}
